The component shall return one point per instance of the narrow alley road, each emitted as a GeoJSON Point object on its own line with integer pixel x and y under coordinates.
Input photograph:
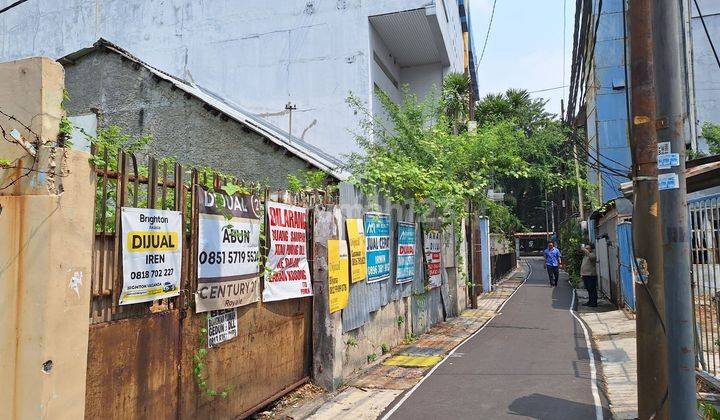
{"type": "Point", "coordinates": [529, 361]}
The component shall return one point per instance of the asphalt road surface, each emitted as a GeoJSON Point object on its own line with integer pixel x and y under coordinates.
{"type": "Point", "coordinates": [531, 361]}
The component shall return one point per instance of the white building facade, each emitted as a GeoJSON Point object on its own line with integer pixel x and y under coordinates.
{"type": "Point", "coordinates": [263, 54]}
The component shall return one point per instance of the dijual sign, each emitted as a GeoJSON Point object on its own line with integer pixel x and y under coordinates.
{"type": "Point", "coordinates": [405, 253]}
{"type": "Point", "coordinates": [228, 250]}
{"type": "Point", "coordinates": [152, 254]}
{"type": "Point", "coordinates": [377, 237]}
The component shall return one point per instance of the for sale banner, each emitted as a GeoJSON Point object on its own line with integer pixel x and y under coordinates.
{"type": "Point", "coordinates": [432, 243]}
{"type": "Point", "coordinates": [377, 238]}
{"type": "Point", "coordinates": [152, 254]}
{"type": "Point", "coordinates": [228, 250]}
{"type": "Point", "coordinates": [338, 282]}
{"type": "Point", "coordinates": [288, 275]}
{"type": "Point", "coordinates": [405, 253]}
{"type": "Point", "coordinates": [358, 255]}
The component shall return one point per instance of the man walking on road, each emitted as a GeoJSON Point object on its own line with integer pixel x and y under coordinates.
{"type": "Point", "coordinates": [553, 259]}
{"type": "Point", "coordinates": [589, 275]}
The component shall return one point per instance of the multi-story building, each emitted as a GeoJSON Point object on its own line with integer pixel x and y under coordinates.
{"type": "Point", "coordinates": [607, 102]}
{"type": "Point", "coordinates": [706, 70]}
{"type": "Point", "coordinates": [264, 55]}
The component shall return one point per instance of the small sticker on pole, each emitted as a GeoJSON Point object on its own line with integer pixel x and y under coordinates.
{"type": "Point", "coordinates": [668, 182]}
{"type": "Point", "coordinates": [668, 160]}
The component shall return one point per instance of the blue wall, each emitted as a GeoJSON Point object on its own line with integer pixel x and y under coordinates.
{"type": "Point", "coordinates": [606, 102]}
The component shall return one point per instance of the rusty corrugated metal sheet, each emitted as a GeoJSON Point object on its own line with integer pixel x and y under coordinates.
{"type": "Point", "coordinates": [271, 353]}
{"type": "Point", "coordinates": [133, 368]}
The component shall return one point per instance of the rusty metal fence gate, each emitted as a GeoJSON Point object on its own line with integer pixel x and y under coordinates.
{"type": "Point", "coordinates": [140, 356]}
{"type": "Point", "coordinates": [705, 260]}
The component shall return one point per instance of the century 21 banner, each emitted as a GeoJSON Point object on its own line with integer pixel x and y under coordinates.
{"type": "Point", "coordinates": [152, 254]}
{"type": "Point", "coordinates": [228, 250]}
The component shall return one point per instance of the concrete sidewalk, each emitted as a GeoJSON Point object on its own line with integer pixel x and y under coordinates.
{"type": "Point", "coordinates": [613, 335]}
{"type": "Point", "coordinates": [369, 394]}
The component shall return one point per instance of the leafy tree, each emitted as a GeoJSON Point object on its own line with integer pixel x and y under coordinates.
{"type": "Point", "coordinates": [456, 99]}
{"type": "Point", "coordinates": [711, 132]}
{"type": "Point", "coordinates": [416, 152]}
{"type": "Point", "coordinates": [542, 145]}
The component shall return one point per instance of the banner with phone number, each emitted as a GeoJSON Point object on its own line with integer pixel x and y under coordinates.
{"type": "Point", "coordinates": [288, 274]}
{"type": "Point", "coordinates": [432, 244]}
{"type": "Point", "coordinates": [228, 250]}
{"type": "Point", "coordinates": [151, 253]}
{"type": "Point", "coordinates": [377, 237]}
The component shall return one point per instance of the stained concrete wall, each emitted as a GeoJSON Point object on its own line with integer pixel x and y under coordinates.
{"type": "Point", "coordinates": [126, 95]}
{"type": "Point", "coordinates": [47, 231]}
{"type": "Point", "coordinates": [259, 54]}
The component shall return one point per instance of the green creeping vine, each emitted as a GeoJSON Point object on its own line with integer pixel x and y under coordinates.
{"type": "Point", "coordinates": [199, 367]}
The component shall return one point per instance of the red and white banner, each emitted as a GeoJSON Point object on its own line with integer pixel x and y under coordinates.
{"type": "Point", "coordinates": [287, 275]}
{"type": "Point", "coordinates": [432, 243]}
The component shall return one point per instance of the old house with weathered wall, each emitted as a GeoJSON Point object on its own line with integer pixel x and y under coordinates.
{"type": "Point", "coordinates": [108, 86]}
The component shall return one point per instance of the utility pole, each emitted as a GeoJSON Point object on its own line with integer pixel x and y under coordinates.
{"type": "Point", "coordinates": [552, 214]}
{"type": "Point", "coordinates": [289, 107]}
{"type": "Point", "coordinates": [649, 292]}
{"type": "Point", "coordinates": [669, 81]}
{"type": "Point", "coordinates": [547, 222]}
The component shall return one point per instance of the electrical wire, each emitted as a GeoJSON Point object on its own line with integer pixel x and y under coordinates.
{"type": "Point", "coordinates": [707, 33]}
{"type": "Point", "coordinates": [487, 35]}
{"type": "Point", "coordinates": [564, 43]}
{"type": "Point", "coordinates": [17, 3]}
{"type": "Point", "coordinates": [588, 149]}
{"type": "Point", "coordinates": [548, 89]}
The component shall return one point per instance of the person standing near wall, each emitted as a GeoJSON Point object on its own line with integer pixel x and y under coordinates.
{"type": "Point", "coordinates": [589, 274]}
{"type": "Point", "coordinates": [553, 259]}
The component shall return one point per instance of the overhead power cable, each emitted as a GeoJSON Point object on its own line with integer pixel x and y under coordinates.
{"type": "Point", "coordinates": [548, 89]}
{"type": "Point", "coordinates": [487, 35]}
{"type": "Point", "coordinates": [707, 33]}
{"type": "Point", "coordinates": [17, 3]}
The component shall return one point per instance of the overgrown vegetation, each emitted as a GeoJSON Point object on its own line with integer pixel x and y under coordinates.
{"type": "Point", "coordinates": [199, 369]}
{"type": "Point", "coordinates": [709, 412]}
{"type": "Point", "coordinates": [711, 132]}
{"type": "Point", "coordinates": [421, 151]}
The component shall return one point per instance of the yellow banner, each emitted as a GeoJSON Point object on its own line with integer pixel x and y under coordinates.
{"type": "Point", "coordinates": [338, 284]}
{"type": "Point", "coordinates": [358, 256]}
{"type": "Point", "coordinates": [152, 241]}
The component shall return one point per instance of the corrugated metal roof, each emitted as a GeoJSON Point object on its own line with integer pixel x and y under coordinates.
{"type": "Point", "coordinates": [294, 145]}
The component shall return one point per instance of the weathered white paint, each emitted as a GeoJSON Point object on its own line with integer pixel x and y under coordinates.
{"type": "Point", "coordinates": [259, 54]}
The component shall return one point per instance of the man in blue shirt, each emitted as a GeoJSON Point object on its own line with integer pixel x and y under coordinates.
{"type": "Point", "coordinates": [553, 259]}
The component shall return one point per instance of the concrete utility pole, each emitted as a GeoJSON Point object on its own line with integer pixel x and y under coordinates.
{"type": "Point", "coordinates": [669, 82]}
{"type": "Point", "coordinates": [289, 107]}
{"type": "Point", "coordinates": [650, 308]}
